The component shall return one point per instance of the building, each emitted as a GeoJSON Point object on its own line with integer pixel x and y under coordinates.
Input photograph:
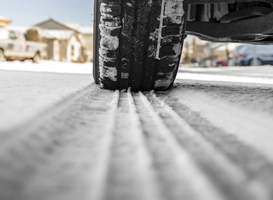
{"type": "Point", "coordinates": [86, 37]}
{"type": "Point", "coordinates": [67, 42]}
{"type": "Point", "coordinates": [63, 45]}
{"type": "Point", "coordinates": [193, 49]}
{"type": "Point", "coordinates": [4, 21]}
{"type": "Point", "coordinates": [206, 53]}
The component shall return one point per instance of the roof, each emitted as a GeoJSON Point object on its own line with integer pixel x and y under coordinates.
{"type": "Point", "coordinates": [2, 18]}
{"type": "Point", "coordinates": [82, 29]}
{"type": "Point", "coordinates": [46, 33]}
{"type": "Point", "coordinates": [60, 24]}
{"type": "Point", "coordinates": [56, 34]}
{"type": "Point", "coordinates": [77, 27]}
{"type": "Point", "coordinates": [22, 29]}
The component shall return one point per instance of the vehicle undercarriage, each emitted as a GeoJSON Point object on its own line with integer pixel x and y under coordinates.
{"type": "Point", "coordinates": [245, 21]}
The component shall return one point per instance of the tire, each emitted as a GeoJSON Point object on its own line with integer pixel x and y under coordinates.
{"type": "Point", "coordinates": [2, 56]}
{"type": "Point", "coordinates": [138, 43]}
{"type": "Point", "coordinates": [251, 62]}
{"type": "Point", "coordinates": [36, 58]}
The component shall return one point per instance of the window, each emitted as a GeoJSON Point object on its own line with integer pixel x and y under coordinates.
{"type": "Point", "coordinates": [72, 50]}
{"type": "Point", "coordinates": [12, 35]}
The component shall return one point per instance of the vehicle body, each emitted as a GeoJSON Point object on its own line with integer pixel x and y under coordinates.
{"type": "Point", "coordinates": [221, 63]}
{"type": "Point", "coordinates": [264, 55]}
{"type": "Point", "coordinates": [236, 55]}
{"type": "Point", "coordinates": [13, 46]}
{"type": "Point", "coordinates": [137, 44]}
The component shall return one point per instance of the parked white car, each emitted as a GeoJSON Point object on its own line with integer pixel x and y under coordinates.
{"type": "Point", "coordinates": [245, 55]}
{"type": "Point", "coordinates": [13, 46]}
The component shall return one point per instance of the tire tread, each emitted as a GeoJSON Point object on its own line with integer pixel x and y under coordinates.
{"type": "Point", "coordinates": [133, 51]}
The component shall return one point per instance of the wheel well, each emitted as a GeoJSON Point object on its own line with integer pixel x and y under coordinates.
{"type": "Point", "coordinates": [253, 59]}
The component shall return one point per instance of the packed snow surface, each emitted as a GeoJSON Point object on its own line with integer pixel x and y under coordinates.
{"type": "Point", "coordinates": [201, 140]}
{"type": "Point", "coordinates": [49, 66]}
{"type": "Point", "coordinates": [224, 78]}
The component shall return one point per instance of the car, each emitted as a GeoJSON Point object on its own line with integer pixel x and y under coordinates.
{"type": "Point", "coordinates": [221, 63]}
{"type": "Point", "coordinates": [236, 55]}
{"type": "Point", "coordinates": [13, 46]}
{"type": "Point", "coordinates": [138, 44]}
{"type": "Point", "coordinates": [246, 55]}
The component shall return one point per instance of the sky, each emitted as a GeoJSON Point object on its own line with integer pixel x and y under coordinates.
{"type": "Point", "coordinates": [31, 12]}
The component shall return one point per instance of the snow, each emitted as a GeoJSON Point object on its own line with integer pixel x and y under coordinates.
{"type": "Point", "coordinates": [56, 34]}
{"type": "Point", "coordinates": [129, 4]}
{"type": "Point", "coordinates": [108, 25]}
{"type": "Point", "coordinates": [48, 66]}
{"type": "Point", "coordinates": [109, 42]}
{"type": "Point", "coordinates": [21, 29]}
{"type": "Point", "coordinates": [196, 181]}
{"type": "Point", "coordinates": [104, 8]}
{"type": "Point", "coordinates": [4, 18]}
{"type": "Point", "coordinates": [106, 30]}
{"type": "Point", "coordinates": [174, 8]}
{"type": "Point", "coordinates": [223, 78]}
{"type": "Point", "coordinates": [50, 34]}
{"type": "Point", "coordinates": [250, 126]}
{"type": "Point", "coordinates": [79, 27]}
{"type": "Point", "coordinates": [25, 91]}
{"type": "Point", "coordinates": [110, 21]}
{"type": "Point", "coordinates": [164, 82]}
{"type": "Point", "coordinates": [26, 94]}
{"type": "Point", "coordinates": [109, 72]}
{"type": "Point", "coordinates": [177, 49]}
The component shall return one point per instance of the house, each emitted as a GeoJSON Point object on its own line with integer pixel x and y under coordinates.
{"type": "Point", "coordinates": [79, 43]}
{"type": "Point", "coordinates": [63, 45]}
{"type": "Point", "coordinates": [193, 49]}
{"type": "Point", "coordinates": [4, 21]}
{"type": "Point", "coordinates": [86, 37]}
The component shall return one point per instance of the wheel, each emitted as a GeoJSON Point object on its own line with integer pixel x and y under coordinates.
{"type": "Point", "coordinates": [138, 43]}
{"type": "Point", "coordinates": [252, 63]}
{"type": "Point", "coordinates": [36, 58]}
{"type": "Point", "coordinates": [2, 56]}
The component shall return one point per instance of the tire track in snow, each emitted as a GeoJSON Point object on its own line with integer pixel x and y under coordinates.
{"type": "Point", "coordinates": [179, 177]}
{"type": "Point", "coordinates": [109, 145]}
{"type": "Point", "coordinates": [252, 162]}
{"type": "Point", "coordinates": [225, 175]}
{"type": "Point", "coordinates": [243, 134]}
{"type": "Point", "coordinates": [65, 155]}
{"type": "Point", "coordinates": [130, 174]}
{"type": "Point", "coordinates": [253, 129]}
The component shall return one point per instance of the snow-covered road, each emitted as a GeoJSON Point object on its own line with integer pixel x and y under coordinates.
{"type": "Point", "coordinates": [48, 66]}
{"type": "Point", "coordinates": [63, 138]}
